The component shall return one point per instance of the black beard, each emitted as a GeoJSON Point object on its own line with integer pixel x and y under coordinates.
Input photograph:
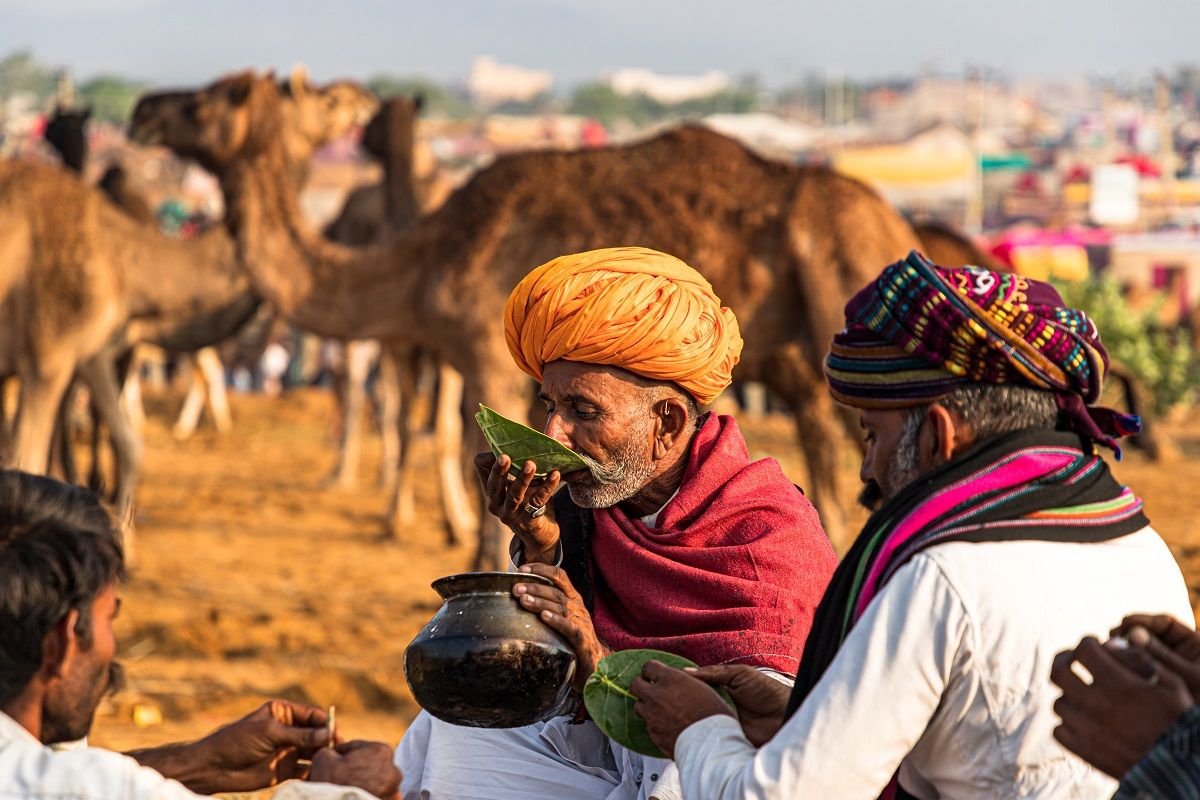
{"type": "Point", "coordinates": [871, 496]}
{"type": "Point", "coordinates": [73, 723]}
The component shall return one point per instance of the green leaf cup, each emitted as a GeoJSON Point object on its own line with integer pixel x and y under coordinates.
{"type": "Point", "coordinates": [522, 443]}
{"type": "Point", "coordinates": [610, 703]}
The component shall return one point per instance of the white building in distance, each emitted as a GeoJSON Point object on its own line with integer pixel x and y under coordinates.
{"type": "Point", "coordinates": [492, 83]}
{"type": "Point", "coordinates": [668, 89]}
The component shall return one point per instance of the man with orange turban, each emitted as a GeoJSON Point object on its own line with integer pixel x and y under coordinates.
{"type": "Point", "coordinates": [672, 538]}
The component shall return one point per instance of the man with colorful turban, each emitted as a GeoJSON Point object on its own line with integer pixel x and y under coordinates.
{"type": "Point", "coordinates": [999, 537]}
{"type": "Point", "coordinates": [673, 538]}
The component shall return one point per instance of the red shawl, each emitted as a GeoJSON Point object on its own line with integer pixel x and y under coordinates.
{"type": "Point", "coordinates": [733, 572]}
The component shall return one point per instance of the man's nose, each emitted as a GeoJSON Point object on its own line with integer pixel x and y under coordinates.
{"type": "Point", "coordinates": [866, 473]}
{"type": "Point", "coordinates": [557, 430]}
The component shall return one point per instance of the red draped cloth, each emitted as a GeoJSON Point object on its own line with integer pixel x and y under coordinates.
{"type": "Point", "coordinates": [733, 571]}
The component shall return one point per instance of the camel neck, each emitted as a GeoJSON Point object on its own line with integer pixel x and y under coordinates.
{"type": "Point", "coordinates": [325, 288]}
{"type": "Point", "coordinates": [399, 187]}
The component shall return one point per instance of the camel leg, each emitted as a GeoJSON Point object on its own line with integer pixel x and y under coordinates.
{"type": "Point", "coordinates": [208, 362]}
{"type": "Point", "coordinates": [129, 373]}
{"type": "Point", "coordinates": [817, 424]}
{"type": "Point", "coordinates": [393, 388]}
{"type": "Point", "coordinates": [359, 355]}
{"type": "Point", "coordinates": [100, 374]}
{"type": "Point", "coordinates": [37, 408]}
{"type": "Point", "coordinates": [62, 456]}
{"type": "Point", "coordinates": [193, 403]}
{"type": "Point", "coordinates": [453, 457]}
{"type": "Point", "coordinates": [95, 447]}
{"type": "Point", "coordinates": [398, 380]}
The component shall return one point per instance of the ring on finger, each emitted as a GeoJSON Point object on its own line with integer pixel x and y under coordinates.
{"type": "Point", "coordinates": [534, 511]}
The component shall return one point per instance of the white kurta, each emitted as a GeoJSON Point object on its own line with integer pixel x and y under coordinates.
{"type": "Point", "coordinates": [555, 759]}
{"type": "Point", "coordinates": [32, 771]}
{"type": "Point", "coordinates": [947, 676]}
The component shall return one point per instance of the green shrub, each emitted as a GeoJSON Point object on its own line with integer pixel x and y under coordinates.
{"type": "Point", "coordinates": [1163, 359]}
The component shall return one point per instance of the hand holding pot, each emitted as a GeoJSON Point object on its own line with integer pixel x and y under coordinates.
{"type": "Point", "coordinates": [563, 609]}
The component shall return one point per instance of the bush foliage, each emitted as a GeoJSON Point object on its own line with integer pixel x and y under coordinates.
{"type": "Point", "coordinates": [1164, 360]}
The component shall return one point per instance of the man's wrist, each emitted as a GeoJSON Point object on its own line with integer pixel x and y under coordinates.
{"type": "Point", "coordinates": [519, 554]}
{"type": "Point", "coordinates": [187, 763]}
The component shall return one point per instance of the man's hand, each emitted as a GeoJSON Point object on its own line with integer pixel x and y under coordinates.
{"type": "Point", "coordinates": [670, 700]}
{"type": "Point", "coordinates": [1168, 641]}
{"type": "Point", "coordinates": [1114, 721]}
{"type": "Point", "coordinates": [561, 607]}
{"type": "Point", "coordinates": [760, 699]}
{"type": "Point", "coordinates": [259, 750]}
{"type": "Point", "coordinates": [510, 500]}
{"type": "Point", "coordinates": [367, 765]}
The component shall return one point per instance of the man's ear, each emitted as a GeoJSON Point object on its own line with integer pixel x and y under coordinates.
{"type": "Point", "coordinates": [670, 421]}
{"type": "Point", "coordinates": [60, 646]}
{"type": "Point", "coordinates": [940, 437]}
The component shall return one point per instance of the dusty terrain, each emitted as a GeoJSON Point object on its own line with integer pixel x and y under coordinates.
{"type": "Point", "coordinates": [254, 581]}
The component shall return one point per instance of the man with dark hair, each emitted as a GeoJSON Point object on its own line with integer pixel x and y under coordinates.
{"type": "Point", "coordinates": [998, 538]}
{"type": "Point", "coordinates": [60, 566]}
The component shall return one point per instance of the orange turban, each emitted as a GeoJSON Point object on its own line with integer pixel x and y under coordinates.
{"type": "Point", "coordinates": [628, 307]}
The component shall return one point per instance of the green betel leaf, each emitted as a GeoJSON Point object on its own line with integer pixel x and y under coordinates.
{"type": "Point", "coordinates": [610, 703]}
{"type": "Point", "coordinates": [522, 443]}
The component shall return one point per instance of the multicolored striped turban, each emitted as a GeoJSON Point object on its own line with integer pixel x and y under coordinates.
{"type": "Point", "coordinates": [920, 330]}
{"type": "Point", "coordinates": [628, 307]}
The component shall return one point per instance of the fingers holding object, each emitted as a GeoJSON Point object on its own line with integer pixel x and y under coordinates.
{"type": "Point", "coordinates": [557, 575]}
{"type": "Point", "coordinates": [539, 597]}
{"type": "Point", "coordinates": [541, 492]}
{"type": "Point", "coordinates": [516, 489]}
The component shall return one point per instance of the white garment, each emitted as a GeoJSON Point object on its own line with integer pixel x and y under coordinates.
{"type": "Point", "coordinates": [553, 759]}
{"type": "Point", "coordinates": [947, 676]}
{"type": "Point", "coordinates": [31, 771]}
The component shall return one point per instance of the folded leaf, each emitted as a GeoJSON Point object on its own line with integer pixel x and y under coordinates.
{"type": "Point", "coordinates": [522, 443]}
{"type": "Point", "coordinates": [610, 703]}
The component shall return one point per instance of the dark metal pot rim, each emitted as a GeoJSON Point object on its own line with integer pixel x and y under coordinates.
{"type": "Point", "coordinates": [475, 582]}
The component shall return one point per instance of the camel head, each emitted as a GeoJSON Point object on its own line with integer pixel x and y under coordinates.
{"type": "Point", "coordinates": [235, 118]}
{"type": "Point", "coordinates": [316, 115]}
{"type": "Point", "coordinates": [66, 133]}
{"type": "Point", "coordinates": [393, 126]}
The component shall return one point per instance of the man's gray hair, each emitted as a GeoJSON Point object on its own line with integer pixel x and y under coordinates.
{"type": "Point", "coordinates": [990, 409]}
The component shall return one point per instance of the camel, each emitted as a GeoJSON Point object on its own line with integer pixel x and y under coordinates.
{"type": "Point", "coordinates": [82, 282]}
{"type": "Point", "coordinates": [389, 138]}
{"type": "Point", "coordinates": [66, 132]}
{"type": "Point", "coordinates": [950, 247]}
{"type": "Point", "coordinates": [783, 245]}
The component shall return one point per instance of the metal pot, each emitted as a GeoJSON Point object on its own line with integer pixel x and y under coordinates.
{"type": "Point", "coordinates": [485, 662]}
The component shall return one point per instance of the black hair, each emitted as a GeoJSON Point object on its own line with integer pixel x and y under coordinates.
{"type": "Point", "coordinates": [58, 552]}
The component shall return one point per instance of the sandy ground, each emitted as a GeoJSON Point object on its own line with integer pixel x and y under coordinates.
{"type": "Point", "coordinates": [254, 581]}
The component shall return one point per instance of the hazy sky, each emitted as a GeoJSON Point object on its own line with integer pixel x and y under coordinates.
{"type": "Point", "coordinates": [172, 41]}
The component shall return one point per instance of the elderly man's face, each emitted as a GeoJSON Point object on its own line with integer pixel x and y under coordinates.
{"type": "Point", "coordinates": [892, 460]}
{"type": "Point", "coordinates": [602, 414]}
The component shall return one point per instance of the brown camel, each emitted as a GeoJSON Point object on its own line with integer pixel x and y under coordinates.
{"type": "Point", "coordinates": [66, 132]}
{"type": "Point", "coordinates": [783, 245]}
{"type": "Point", "coordinates": [389, 138]}
{"type": "Point", "coordinates": [81, 282]}
{"type": "Point", "coordinates": [373, 211]}
{"type": "Point", "coordinates": [945, 245]}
